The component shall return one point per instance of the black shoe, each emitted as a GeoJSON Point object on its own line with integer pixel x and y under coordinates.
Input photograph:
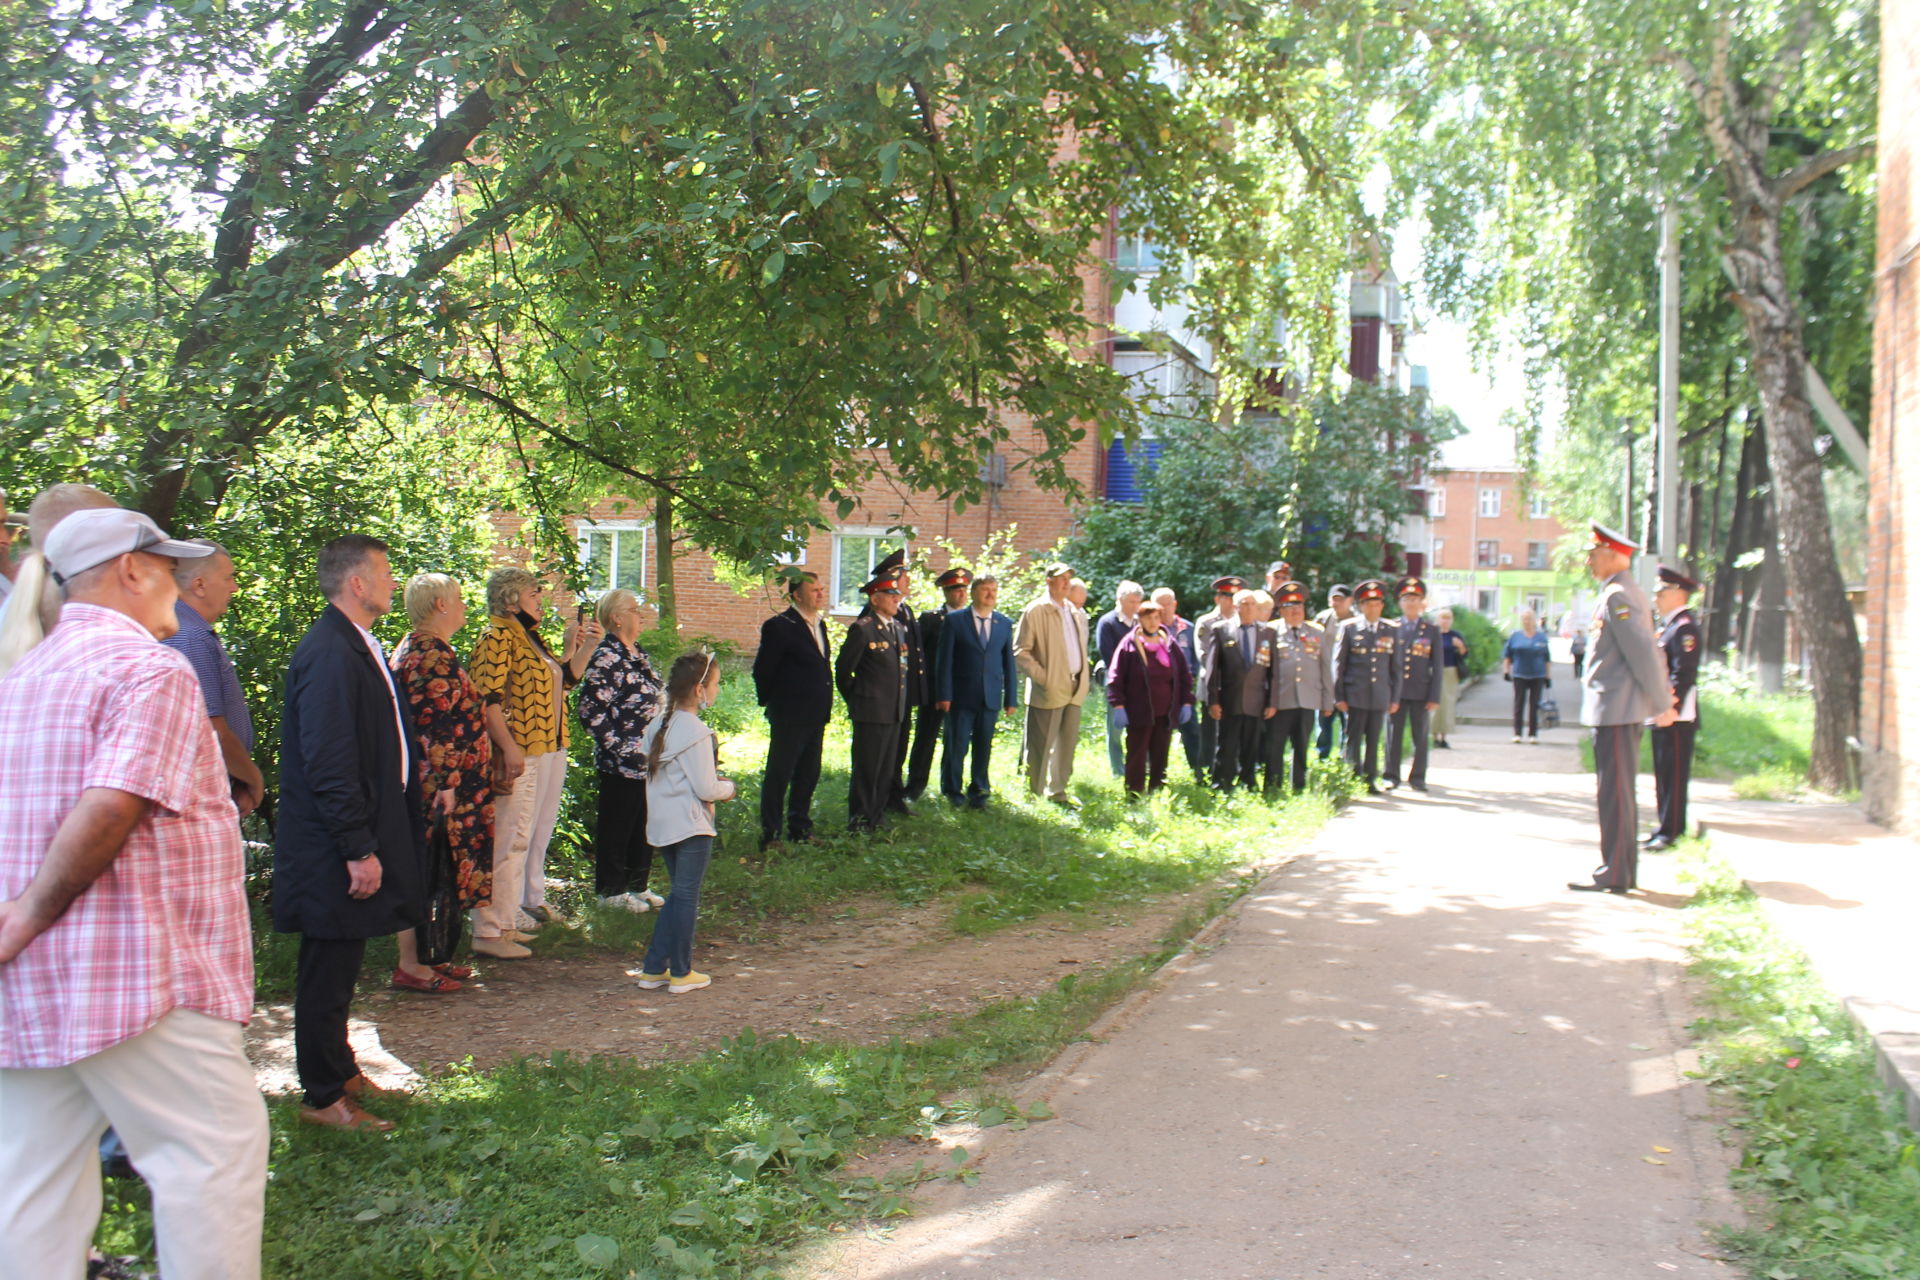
{"type": "Point", "coordinates": [978, 802]}
{"type": "Point", "coordinates": [1657, 842]}
{"type": "Point", "coordinates": [1421, 787]}
{"type": "Point", "coordinates": [1388, 784]}
{"type": "Point", "coordinates": [1587, 887]}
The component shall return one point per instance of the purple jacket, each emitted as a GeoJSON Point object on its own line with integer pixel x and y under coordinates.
{"type": "Point", "coordinates": [1127, 678]}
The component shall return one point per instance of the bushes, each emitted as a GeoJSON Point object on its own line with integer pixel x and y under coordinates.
{"type": "Point", "coordinates": [1484, 641]}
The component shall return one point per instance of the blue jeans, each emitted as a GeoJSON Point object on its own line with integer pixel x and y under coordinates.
{"type": "Point", "coordinates": [1116, 744]}
{"type": "Point", "coordinates": [671, 950]}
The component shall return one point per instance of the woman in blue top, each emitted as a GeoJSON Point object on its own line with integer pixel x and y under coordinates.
{"type": "Point", "coordinates": [1525, 663]}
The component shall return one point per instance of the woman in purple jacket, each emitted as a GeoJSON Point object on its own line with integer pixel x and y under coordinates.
{"type": "Point", "coordinates": [1151, 691]}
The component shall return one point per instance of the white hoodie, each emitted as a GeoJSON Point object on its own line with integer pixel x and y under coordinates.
{"type": "Point", "coordinates": [682, 789]}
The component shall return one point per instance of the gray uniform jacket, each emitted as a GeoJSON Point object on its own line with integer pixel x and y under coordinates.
{"type": "Point", "coordinates": [1625, 681]}
{"type": "Point", "coordinates": [1302, 668]}
{"type": "Point", "coordinates": [1237, 680]}
{"type": "Point", "coordinates": [1419, 660]}
{"type": "Point", "coordinates": [1369, 672]}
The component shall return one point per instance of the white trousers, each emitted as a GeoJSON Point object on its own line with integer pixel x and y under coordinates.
{"type": "Point", "coordinates": [523, 822]}
{"type": "Point", "coordinates": [181, 1095]}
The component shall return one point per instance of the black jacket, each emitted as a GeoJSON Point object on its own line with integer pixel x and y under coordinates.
{"type": "Point", "coordinates": [792, 676]}
{"type": "Point", "coordinates": [929, 629]}
{"type": "Point", "coordinates": [872, 671]}
{"type": "Point", "coordinates": [341, 794]}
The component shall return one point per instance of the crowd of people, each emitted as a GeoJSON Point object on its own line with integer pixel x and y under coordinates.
{"type": "Point", "coordinates": [416, 790]}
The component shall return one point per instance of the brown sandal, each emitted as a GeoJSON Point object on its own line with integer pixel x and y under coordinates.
{"type": "Point", "coordinates": [437, 985]}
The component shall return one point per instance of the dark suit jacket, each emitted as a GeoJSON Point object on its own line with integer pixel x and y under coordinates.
{"type": "Point", "coordinates": [872, 672]}
{"type": "Point", "coordinates": [1680, 641]}
{"type": "Point", "coordinates": [341, 795]}
{"type": "Point", "coordinates": [1237, 680]}
{"type": "Point", "coordinates": [973, 676]}
{"type": "Point", "coordinates": [792, 677]}
{"type": "Point", "coordinates": [930, 629]}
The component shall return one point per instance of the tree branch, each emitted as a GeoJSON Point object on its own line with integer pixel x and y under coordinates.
{"type": "Point", "coordinates": [1805, 22]}
{"type": "Point", "coordinates": [1810, 171]}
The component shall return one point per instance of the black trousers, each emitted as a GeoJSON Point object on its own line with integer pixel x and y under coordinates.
{"type": "Point", "coordinates": [1672, 771]}
{"type": "Point", "coordinates": [1238, 745]}
{"type": "Point", "coordinates": [1206, 736]}
{"type": "Point", "coordinates": [1324, 744]}
{"type": "Point", "coordinates": [1527, 692]}
{"type": "Point", "coordinates": [926, 736]}
{"type": "Point", "coordinates": [1363, 740]}
{"type": "Point", "coordinates": [322, 995]}
{"type": "Point", "coordinates": [1616, 758]}
{"type": "Point", "coordinates": [1414, 716]}
{"type": "Point", "coordinates": [1290, 728]}
{"type": "Point", "coordinates": [793, 771]}
{"type": "Point", "coordinates": [622, 858]}
{"type": "Point", "coordinates": [875, 773]}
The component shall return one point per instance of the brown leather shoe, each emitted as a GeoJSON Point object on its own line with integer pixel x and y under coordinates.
{"type": "Point", "coordinates": [345, 1113]}
{"type": "Point", "coordinates": [361, 1087]}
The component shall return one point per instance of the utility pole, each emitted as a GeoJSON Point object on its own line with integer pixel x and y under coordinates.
{"type": "Point", "coordinates": [1667, 455]}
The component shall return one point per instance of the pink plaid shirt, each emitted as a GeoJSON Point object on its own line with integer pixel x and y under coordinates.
{"type": "Point", "coordinates": [101, 703]}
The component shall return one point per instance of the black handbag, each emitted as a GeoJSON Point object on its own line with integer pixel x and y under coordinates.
{"type": "Point", "coordinates": [441, 936]}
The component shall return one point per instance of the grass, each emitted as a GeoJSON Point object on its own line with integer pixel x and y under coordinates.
{"type": "Point", "coordinates": [1831, 1175]}
{"type": "Point", "coordinates": [1761, 742]}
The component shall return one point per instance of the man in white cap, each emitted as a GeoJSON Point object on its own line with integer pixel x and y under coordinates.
{"type": "Point", "coordinates": [126, 962]}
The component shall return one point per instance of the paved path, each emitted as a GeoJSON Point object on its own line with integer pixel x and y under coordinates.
{"type": "Point", "coordinates": [1410, 1053]}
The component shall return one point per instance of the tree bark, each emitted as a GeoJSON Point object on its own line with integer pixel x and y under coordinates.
{"type": "Point", "coordinates": [664, 601]}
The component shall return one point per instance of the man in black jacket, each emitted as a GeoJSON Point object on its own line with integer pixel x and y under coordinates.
{"type": "Point", "coordinates": [793, 680]}
{"type": "Point", "coordinates": [1236, 692]}
{"type": "Point", "coordinates": [1420, 668]}
{"type": "Point", "coordinates": [953, 586]}
{"type": "Point", "coordinates": [348, 860]}
{"type": "Point", "coordinates": [871, 672]}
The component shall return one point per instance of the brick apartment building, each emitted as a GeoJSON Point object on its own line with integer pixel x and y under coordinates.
{"type": "Point", "coordinates": [1490, 547]}
{"type": "Point", "coordinates": [1890, 693]}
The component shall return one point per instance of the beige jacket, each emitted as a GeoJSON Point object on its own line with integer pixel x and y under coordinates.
{"type": "Point", "coordinates": [1040, 651]}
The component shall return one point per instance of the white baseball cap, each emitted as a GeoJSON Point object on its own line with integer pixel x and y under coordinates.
{"type": "Point", "coordinates": [88, 539]}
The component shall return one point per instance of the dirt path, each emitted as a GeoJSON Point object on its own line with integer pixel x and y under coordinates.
{"type": "Point", "coordinates": [860, 971]}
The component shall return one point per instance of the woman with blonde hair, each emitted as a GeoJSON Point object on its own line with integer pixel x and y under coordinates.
{"type": "Point", "coordinates": [523, 689]}
{"type": "Point", "coordinates": [446, 714]}
{"type": "Point", "coordinates": [618, 698]}
{"type": "Point", "coordinates": [32, 607]}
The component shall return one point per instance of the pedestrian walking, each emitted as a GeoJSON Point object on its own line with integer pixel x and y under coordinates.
{"type": "Point", "coordinates": [1367, 686]}
{"type": "Point", "coordinates": [1526, 662]}
{"type": "Point", "coordinates": [1579, 648]}
{"type": "Point", "coordinates": [1625, 686]}
{"type": "Point", "coordinates": [1418, 643]}
{"type": "Point", "coordinates": [1237, 693]}
{"type": "Point", "coordinates": [1149, 685]}
{"type": "Point", "coordinates": [1300, 687]}
{"type": "Point", "coordinates": [683, 785]}
{"type": "Point", "coordinates": [619, 695]}
{"type": "Point", "coordinates": [928, 732]}
{"type": "Point", "coordinates": [126, 961]}
{"type": "Point", "coordinates": [1332, 619]}
{"type": "Point", "coordinates": [1453, 655]}
{"type": "Point", "coordinates": [975, 680]}
{"type": "Point", "coordinates": [871, 672]}
{"type": "Point", "coordinates": [1673, 744]}
{"type": "Point", "coordinates": [1050, 649]}
{"type": "Point", "coordinates": [793, 681]}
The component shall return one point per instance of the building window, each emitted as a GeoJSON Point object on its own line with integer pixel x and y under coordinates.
{"type": "Point", "coordinates": [1539, 606]}
{"type": "Point", "coordinates": [1536, 555]}
{"type": "Point", "coordinates": [1439, 544]}
{"type": "Point", "coordinates": [1490, 502]}
{"type": "Point", "coordinates": [855, 552]}
{"type": "Point", "coordinates": [1537, 506]}
{"type": "Point", "coordinates": [1487, 601]}
{"type": "Point", "coordinates": [1135, 251]}
{"type": "Point", "coordinates": [1486, 554]}
{"type": "Point", "coordinates": [615, 555]}
{"type": "Point", "coordinates": [1436, 503]}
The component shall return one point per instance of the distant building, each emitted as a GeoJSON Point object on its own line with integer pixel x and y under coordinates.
{"type": "Point", "coordinates": [1490, 548]}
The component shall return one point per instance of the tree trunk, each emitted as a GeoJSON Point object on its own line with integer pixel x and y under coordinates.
{"type": "Point", "coordinates": [663, 589]}
{"type": "Point", "coordinates": [1768, 637]}
{"type": "Point", "coordinates": [1731, 586]}
{"type": "Point", "coordinates": [1816, 593]}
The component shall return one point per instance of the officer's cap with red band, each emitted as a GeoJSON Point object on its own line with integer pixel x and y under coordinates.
{"type": "Point", "coordinates": [1371, 589]}
{"type": "Point", "coordinates": [1605, 537]}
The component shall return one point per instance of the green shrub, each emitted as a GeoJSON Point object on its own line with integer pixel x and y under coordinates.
{"type": "Point", "coordinates": [1484, 640]}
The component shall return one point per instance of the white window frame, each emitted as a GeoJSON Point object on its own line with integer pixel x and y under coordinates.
{"type": "Point", "coordinates": [620, 529]}
{"type": "Point", "coordinates": [1546, 555]}
{"type": "Point", "coordinates": [1439, 545]}
{"type": "Point", "coordinates": [1142, 246]}
{"type": "Point", "coordinates": [1538, 603]}
{"type": "Point", "coordinates": [1537, 507]}
{"type": "Point", "coordinates": [1490, 504]}
{"type": "Point", "coordinates": [1483, 559]}
{"type": "Point", "coordinates": [1436, 503]}
{"type": "Point", "coordinates": [837, 587]}
{"type": "Point", "coordinates": [1486, 601]}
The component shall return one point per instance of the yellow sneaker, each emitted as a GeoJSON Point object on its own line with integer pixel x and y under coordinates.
{"type": "Point", "coordinates": [652, 981]}
{"type": "Point", "coordinates": [688, 981]}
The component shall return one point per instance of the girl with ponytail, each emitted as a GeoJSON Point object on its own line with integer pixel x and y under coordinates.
{"type": "Point", "coordinates": [683, 785]}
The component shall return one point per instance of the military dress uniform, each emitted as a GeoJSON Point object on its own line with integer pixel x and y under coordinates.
{"type": "Point", "coordinates": [929, 628]}
{"type": "Point", "coordinates": [1209, 731]}
{"type": "Point", "coordinates": [1368, 681]}
{"type": "Point", "coordinates": [871, 674]}
{"type": "Point", "coordinates": [1299, 689]}
{"type": "Point", "coordinates": [1237, 684]}
{"type": "Point", "coordinates": [1421, 665]}
{"type": "Point", "coordinates": [1624, 685]}
{"type": "Point", "coordinates": [1680, 642]}
{"type": "Point", "coordinates": [1330, 620]}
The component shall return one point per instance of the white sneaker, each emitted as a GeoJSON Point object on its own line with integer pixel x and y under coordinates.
{"type": "Point", "coordinates": [626, 902]}
{"type": "Point", "coordinates": [1533, 742]}
{"type": "Point", "coordinates": [1516, 739]}
{"type": "Point", "coordinates": [690, 981]}
{"type": "Point", "coordinates": [653, 899]}
{"type": "Point", "coordinates": [527, 924]}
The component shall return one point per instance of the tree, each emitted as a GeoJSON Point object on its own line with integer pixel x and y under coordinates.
{"type": "Point", "coordinates": [1547, 136]}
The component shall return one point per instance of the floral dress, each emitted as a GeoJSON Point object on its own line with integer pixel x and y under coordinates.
{"type": "Point", "coordinates": [446, 712]}
{"type": "Point", "coordinates": [618, 696]}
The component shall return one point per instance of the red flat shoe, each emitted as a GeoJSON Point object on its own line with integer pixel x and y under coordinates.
{"type": "Point", "coordinates": [460, 971]}
{"type": "Point", "coordinates": [437, 985]}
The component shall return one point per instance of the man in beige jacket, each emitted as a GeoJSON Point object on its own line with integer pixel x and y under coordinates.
{"type": "Point", "coordinates": [1050, 649]}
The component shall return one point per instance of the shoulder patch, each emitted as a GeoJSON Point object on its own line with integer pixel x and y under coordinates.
{"type": "Point", "coordinates": [1622, 611]}
{"type": "Point", "coordinates": [1688, 642]}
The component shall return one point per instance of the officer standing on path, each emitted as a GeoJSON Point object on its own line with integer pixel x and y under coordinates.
{"type": "Point", "coordinates": [1367, 687]}
{"type": "Point", "coordinates": [1673, 745]}
{"type": "Point", "coordinates": [1420, 667]}
{"type": "Point", "coordinates": [1300, 687]}
{"type": "Point", "coordinates": [871, 673]}
{"type": "Point", "coordinates": [932, 626]}
{"type": "Point", "coordinates": [1625, 687]}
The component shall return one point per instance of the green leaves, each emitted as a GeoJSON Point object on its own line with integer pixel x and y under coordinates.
{"type": "Point", "coordinates": [602, 1252]}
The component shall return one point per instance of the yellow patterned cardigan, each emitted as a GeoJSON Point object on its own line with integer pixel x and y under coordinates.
{"type": "Point", "coordinates": [510, 673]}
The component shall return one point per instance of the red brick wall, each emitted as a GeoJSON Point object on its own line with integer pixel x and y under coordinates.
{"type": "Point", "coordinates": [1461, 527]}
{"type": "Point", "coordinates": [1890, 694]}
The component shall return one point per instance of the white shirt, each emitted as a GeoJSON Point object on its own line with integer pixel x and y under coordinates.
{"type": "Point", "coordinates": [399, 725]}
{"type": "Point", "coordinates": [1076, 651]}
{"type": "Point", "coordinates": [813, 631]}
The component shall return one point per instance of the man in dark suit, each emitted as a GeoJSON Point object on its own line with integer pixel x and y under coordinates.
{"type": "Point", "coordinates": [348, 860]}
{"type": "Point", "coordinates": [1236, 688]}
{"type": "Point", "coordinates": [930, 628]}
{"type": "Point", "coordinates": [793, 681]}
{"type": "Point", "coordinates": [919, 673]}
{"type": "Point", "coordinates": [1420, 668]}
{"type": "Point", "coordinates": [871, 672]}
{"type": "Point", "coordinates": [1366, 682]}
{"type": "Point", "coordinates": [974, 681]}
{"type": "Point", "coordinates": [1209, 729]}
{"type": "Point", "coordinates": [1673, 746]}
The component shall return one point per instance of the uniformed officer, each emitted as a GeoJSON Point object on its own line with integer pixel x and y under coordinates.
{"type": "Point", "coordinates": [930, 626]}
{"type": "Point", "coordinates": [1236, 692]}
{"type": "Point", "coordinates": [1673, 745]}
{"type": "Point", "coordinates": [1624, 687]}
{"type": "Point", "coordinates": [1300, 688]}
{"type": "Point", "coordinates": [871, 674]}
{"type": "Point", "coordinates": [1339, 609]}
{"type": "Point", "coordinates": [919, 674]}
{"type": "Point", "coordinates": [1223, 591]}
{"type": "Point", "coordinates": [1420, 667]}
{"type": "Point", "coordinates": [1367, 686]}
